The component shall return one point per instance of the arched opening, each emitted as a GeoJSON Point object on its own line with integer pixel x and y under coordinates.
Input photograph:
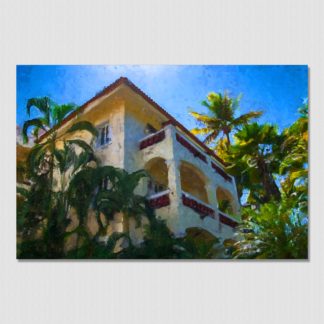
{"type": "Point", "coordinates": [225, 201]}
{"type": "Point", "coordinates": [193, 181]}
{"type": "Point", "coordinates": [158, 176]}
{"type": "Point", "coordinates": [201, 243]}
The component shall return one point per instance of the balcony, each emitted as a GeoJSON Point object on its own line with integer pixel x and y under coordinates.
{"type": "Point", "coordinates": [191, 148]}
{"type": "Point", "coordinates": [197, 205]}
{"type": "Point", "coordinates": [152, 139]}
{"type": "Point", "coordinates": [185, 141]}
{"type": "Point", "coordinates": [227, 220]}
{"type": "Point", "coordinates": [160, 199]}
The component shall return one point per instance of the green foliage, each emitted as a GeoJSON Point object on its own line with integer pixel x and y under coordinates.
{"type": "Point", "coordinates": [59, 112]}
{"type": "Point", "coordinates": [275, 222]}
{"type": "Point", "coordinates": [199, 244]}
{"type": "Point", "coordinates": [160, 243]}
{"type": "Point", "coordinates": [275, 231]}
{"type": "Point", "coordinates": [221, 117]}
{"type": "Point", "coordinates": [294, 165]}
{"type": "Point", "coordinates": [272, 168]}
{"type": "Point", "coordinates": [51, 114]}
{"type": "Point", "coordinates": [224, 206]}
{"type": "Point", "coordinates": [254, 160]}
{"type": "Point", "coordinates": [83, 126]}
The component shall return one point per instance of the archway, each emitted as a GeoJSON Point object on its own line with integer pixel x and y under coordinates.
{"type": "Point", "coordinates": [158, 173]}
{"type": "Point", "coordinates": [226, 203]}
{"type": "Point", "coordinates": [193, 181]}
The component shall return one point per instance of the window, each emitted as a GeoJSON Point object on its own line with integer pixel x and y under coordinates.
{"type": "Point", "coordinates": [104, 137]}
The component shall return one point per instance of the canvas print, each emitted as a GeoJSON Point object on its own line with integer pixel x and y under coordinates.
{"type": "Point", "coordinates": [162, 162]}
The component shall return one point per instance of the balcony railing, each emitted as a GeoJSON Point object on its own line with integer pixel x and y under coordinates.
{"type": "Point", "coordinates": [191, 148]}
{"type": "Point", "coordinates": [152, 139]}
{"type": "Point", "coordinates": [160, 199]}
{"type": "Point", "coordinates": [227, 220]}
{"type": "Point", "coordinates": [160, 136]}
{"type": "Point", "coordinates": [221, 172]}
{"type": "Point", "coordinates": [195, 204]}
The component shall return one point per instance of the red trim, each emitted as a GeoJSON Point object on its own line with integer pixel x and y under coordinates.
{"type": "Point", "coordinates": [127, 82]}
{"type": "Point", "coordinates": [197, 206]}
{"type": "Point", "coordinates": [152, 140]}
{"type": "Point", "coordinates": [191, 148]}
{"type": "Point", "coordinates": [227, 221]}
{"type": "Point", "coordinates": [160, 202]}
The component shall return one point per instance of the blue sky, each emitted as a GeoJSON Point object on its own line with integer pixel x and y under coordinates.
{"type": "Point", "coordinates": [278, 90]}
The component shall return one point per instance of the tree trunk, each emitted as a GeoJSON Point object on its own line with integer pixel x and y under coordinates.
{"type": "Point", "coordinates": [269, 184]}
{"type": "Point", "coordinates": [228, 139]}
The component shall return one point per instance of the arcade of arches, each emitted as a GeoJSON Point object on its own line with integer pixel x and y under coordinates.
{"type": "Point", "coordinates": [193, 182]}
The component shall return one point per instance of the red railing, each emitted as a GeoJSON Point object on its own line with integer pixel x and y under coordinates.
{"type": "Point", "coordinates": [227, 221]}
{"type": "Point", "coordinates": [221, 172]}
{"type": "Point", "coordinates": [153, 139]}
{"type": "Point", "coordinates": [159, 202]}
{"type": "Point", "coordinates": [198, 207]}
{"type": "Point", "coordinates": [191, 148]}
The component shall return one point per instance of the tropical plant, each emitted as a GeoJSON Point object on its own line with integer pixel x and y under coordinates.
{"type": "Point", "coordinates": [50, 165]}
{"type": "Point", "coordinates": [294, 165]}
{"type": "Point", "coordinates": [275, 231]}
{"type": "Point", "coordinates": [50, 114]}
{"type": "Point", "coordinates": [221, 120]}
{"type": "Point", "coordinates": [254, 160]}
{"type": "Point", "coordinates": [159, 243]}
{"type": "Point", "coordinates": [107, 191]}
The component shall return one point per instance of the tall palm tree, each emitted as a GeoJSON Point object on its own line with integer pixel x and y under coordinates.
{"type": "Point", "coordinates": [87, 189]}
{"type": "Point", "coordinates": [255, 158]}
{"type": "Point", "coordinates": [220, 119]}
{"type": "Point", "coordinates": [51, 114]}
{"type": "Point", "coordinates": [46, 202]}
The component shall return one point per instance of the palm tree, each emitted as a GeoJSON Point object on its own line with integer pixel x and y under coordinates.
{"type": "Point", "coordinates": [220, 120]}
{"type": "Point", "coordinates": [45, 203]}
{"type": "Point", "coordinates": [51, 114]}
{"type": "Point", "coordinates": [108, 190]}
{"type": "Point", "coordinates": [294, 165]}
{"type": "Point", "coordinates": [254, 159]}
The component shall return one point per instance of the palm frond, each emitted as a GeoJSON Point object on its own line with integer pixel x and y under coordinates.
{"type": "Point", "coordinates": [59, 112]}
{"type": "Point", "coordinates": [202, 118]}
{"type": "Point", "coordinates": [201, 131]}
{"type": "Point", "coordinates": [83, 126]}
{"type": "Point", "coordinates": [82, 144]}
{"type": "Point", "coordinates": [245, 118]}
{"type": "Point", "coordinates": [211, 137]}
{"type": "Point", "coordinates": [42, 104]}
{"type": "Point", "coordinates": [36, 122]}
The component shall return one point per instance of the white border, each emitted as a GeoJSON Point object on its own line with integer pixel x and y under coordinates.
{"type": "Point", "coordinates": [164, 31]}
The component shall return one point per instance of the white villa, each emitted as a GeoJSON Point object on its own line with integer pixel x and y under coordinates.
{"type": "Point", "coordinates": [188, 180]}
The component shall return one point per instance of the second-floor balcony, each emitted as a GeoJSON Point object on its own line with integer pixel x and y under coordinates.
{"type": "Point", "coordinates": [152, 139]}
{"type": "Point", "coordinates": [160, 199]}
{"type": "Point", "coordinates": [187, 179]}
{"type": "Point", "coordinates": [197, 205]}
{"type": "Point", "coordinates": [187, 143]}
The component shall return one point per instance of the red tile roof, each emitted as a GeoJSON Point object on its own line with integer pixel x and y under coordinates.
{"type": "Point", "coordinates": [125, 81]}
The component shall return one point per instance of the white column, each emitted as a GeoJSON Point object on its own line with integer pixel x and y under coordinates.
{"type": "Point", "coordinates": [174, 184]}
{"type": "Point", "coordinates": [211, 193]}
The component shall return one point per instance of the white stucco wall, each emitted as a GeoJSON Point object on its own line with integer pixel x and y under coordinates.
{"type": "Point", "coordinates": [128, 118]}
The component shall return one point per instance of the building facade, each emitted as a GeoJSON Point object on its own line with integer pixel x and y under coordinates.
{"type": "Point", "coordinates": [187, 183]}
